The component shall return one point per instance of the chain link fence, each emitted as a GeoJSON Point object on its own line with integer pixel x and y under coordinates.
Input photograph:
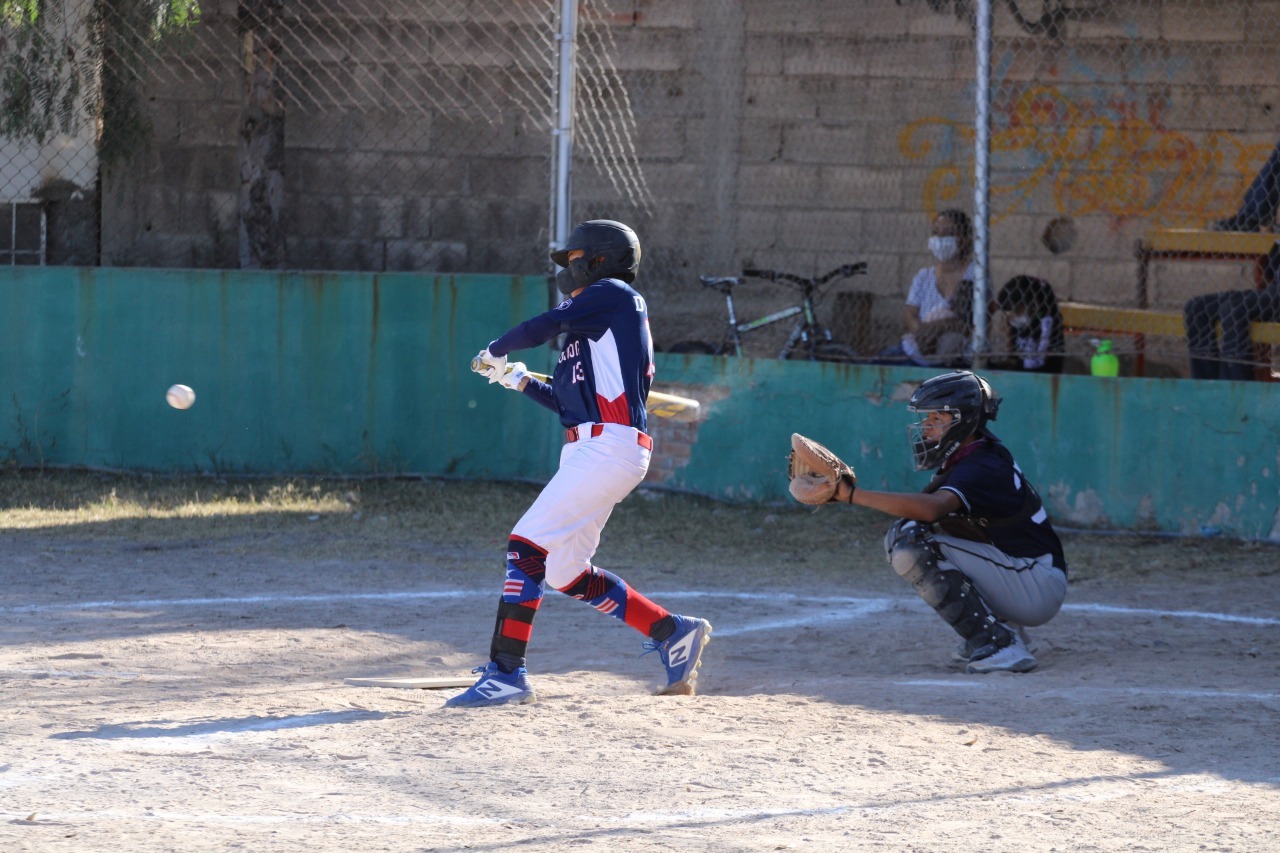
{"type": "Point", "coordinates": [1134, 158]}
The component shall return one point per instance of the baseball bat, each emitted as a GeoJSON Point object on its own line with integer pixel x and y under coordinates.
{"type": "Point", "coordinates": [659, 404]}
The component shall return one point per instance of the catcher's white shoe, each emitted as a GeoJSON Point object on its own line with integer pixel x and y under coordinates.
{"type": "Point", "coordinates": [965, 648]}
{"type": "Point", "coordinates": [1014, 657]}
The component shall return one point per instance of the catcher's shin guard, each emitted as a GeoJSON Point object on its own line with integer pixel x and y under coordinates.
{"type": "Point", "coordinates": [915, 559]}
{"type": "Point", "coordinates": [521, 597]}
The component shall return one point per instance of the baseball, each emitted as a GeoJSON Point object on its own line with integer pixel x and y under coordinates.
{"type": "Point", "coordinates": [180, 397]}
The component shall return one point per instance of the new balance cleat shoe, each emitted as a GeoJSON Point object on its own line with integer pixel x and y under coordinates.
{"type": "Point", "coordinates": [1014, 657]}
{"type": "Point", "coordinates": [495, 687]}
{"type": "Point", "coordinates": [681, 654]}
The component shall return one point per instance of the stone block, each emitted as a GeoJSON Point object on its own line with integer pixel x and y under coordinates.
{"type": "Point", "coordinates": [1252, 65]}
{"type": "Point", "coordinates": [1173, 282]}
{"type": "Point", "coordinates": [307, 171]}
{"type": "Point", "coordinates": [424, 255]}
{"type": "Point", "coordinates": [868, 19]}
{"type": "Point", "coordinates": [666, 14]}
{"type": "Point", "coordinates": [924, 146]}
{"type": "Point", "coordinates": [763, 54]}
{"type": "Point", "coordinates": [778, 98]}
{"type": "Point", "coordinates": [918, 59]}
{"type": "Point", "coordinates": [1262, 22]}
{"type": "Point", "coordinates": [1104, 282]}
{"type": "Point", "coordinates": [316, 215]}
{"type": "Point", "coordinates": [1199, 23]}
{"type": "Point", "coordinates": [508, 178]}
{"type": "Point", "coordinates": [861, 187]}
{"type": "Point", "coordinates": [779, 184]}
{"type": "Point", "coordinates": [668, 94]}
{"type": "Point", "coordinates": [902, 231]}
{"type": "Point", "coordinates": [472, 45]}
{"type": "Point", "coordinates": [785, 16]}
{"type": "Point", "coordinates": [819, 55]}
{"type": "Point", "coordinates": [946, 24]}
{"type": "Point", "coordinates": [668, 137]}
{"type": "Point", "coordinates": [757, 229]}
{"type": "Point", "coordinates": [816, 230]}
{"type": "Point", "coordinates": [206, 213]}
{"type": "Point", "coordinates": [761, 141]}
{"type": "Point", "coordinates": [651, 50]}
{"type": "Point", "coordinates": [811, 142]}
{"type": "Point", "coordinates": [212, 123]}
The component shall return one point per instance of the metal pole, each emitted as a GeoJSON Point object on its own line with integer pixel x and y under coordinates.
{"type": "Point", "coordinates": [981, 180]}
{"type": "Point", "coordinates": [562, 134]}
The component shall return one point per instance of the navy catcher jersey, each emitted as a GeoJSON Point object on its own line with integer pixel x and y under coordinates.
{"type": "Point", "coordinates": [989, 484]}
{"type": "Point", "coordinates": [606, 365]}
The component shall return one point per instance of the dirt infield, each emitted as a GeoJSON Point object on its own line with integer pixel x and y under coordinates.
{"type": "Point", "coordinates": [176, 683]}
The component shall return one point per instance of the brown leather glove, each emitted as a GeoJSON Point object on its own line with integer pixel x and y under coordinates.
{"type": "Point", "coordinates": [817, 475]}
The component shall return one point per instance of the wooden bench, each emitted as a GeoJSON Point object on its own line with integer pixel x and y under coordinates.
{"type": "Point", "coordinates": [1084, 318]}
{"type": "Point", "coordinates": [1195, 244]}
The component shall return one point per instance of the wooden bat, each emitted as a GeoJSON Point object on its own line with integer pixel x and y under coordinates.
{"type": "Point", "coordinates": [658, 405]}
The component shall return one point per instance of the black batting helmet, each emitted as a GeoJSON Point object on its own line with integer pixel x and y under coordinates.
{"type": "Point", "coordinates": [964, 394]}
{"type": "Point", "coordinates": [612, 250]}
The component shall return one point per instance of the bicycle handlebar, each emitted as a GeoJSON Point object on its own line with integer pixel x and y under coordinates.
{"type": "Point", "coordinates": [724, 283]}
{"type": "Point", "coordinates": [843, 271]}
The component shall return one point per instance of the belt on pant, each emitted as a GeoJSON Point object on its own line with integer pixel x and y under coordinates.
{"type": "Point", "coordinates": [571, 435]}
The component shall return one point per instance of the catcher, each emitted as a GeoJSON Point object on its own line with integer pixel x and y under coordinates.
{"type": "Point", "coordinates": [976, 543]}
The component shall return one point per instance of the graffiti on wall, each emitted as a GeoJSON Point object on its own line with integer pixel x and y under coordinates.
{"type": "Point", "coordinates": [1087, 153]}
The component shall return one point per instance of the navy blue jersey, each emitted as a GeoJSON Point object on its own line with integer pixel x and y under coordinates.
{"type": "Point", "coordinates": [606, 365]}
{"type": "Point", "coordinates": [989, 484]}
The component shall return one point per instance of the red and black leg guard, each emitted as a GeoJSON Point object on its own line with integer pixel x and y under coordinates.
{"type": "Point", "coordinates": [521, 596]}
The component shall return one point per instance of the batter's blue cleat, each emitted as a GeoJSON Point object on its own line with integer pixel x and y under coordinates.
{"type": "Point", "coordinates": [681, 654]}
{"type": "Point", "coordinates": [495, 687]}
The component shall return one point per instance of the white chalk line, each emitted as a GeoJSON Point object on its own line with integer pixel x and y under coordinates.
{"type": "Point", "coordinates": [861, 606]}
{"type": "Point", "coordinates": [97, 674]}
{"type": "Point", "coordinates": [629, 819]}
{"type": "Point", "coordinates": [1076, 690]}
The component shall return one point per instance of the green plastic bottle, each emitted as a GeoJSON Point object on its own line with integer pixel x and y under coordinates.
{"type": "Point", "coordinates": [1104, 361]}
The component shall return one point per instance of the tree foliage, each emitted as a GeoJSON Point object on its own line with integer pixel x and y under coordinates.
{"type": "Point", "coordinates": [65, 62]}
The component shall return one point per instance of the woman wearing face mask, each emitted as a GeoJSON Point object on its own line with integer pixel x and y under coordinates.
{"type": "Point", "coordinates": [938, 317]}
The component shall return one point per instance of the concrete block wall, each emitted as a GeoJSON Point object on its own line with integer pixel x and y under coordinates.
{"type": "Point", "coordinates": [795, 135]}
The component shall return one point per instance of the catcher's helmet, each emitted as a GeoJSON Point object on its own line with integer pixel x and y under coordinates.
{"type": "Point", "coordinates": [612, 250]}
{"type": "Point", "coordinates": [965, 395]}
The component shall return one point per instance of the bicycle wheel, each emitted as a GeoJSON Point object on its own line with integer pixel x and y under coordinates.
{"type": "Point", "coordinates": [832, 351]}
{"type": "Point", "coordinates": [698, 347]}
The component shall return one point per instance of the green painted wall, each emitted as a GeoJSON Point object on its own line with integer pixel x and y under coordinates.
{"type": "Point", "coordinates": [357, 374]}
{"type": "Point", "coordinates": [293, 372]}
{"type": "Point", "coordinates": [1167, 454]}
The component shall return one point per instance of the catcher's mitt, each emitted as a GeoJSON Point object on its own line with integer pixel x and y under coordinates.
{"type": "Point", "coordinates": [817, 475]}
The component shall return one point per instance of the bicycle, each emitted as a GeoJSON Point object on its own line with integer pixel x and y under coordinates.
{"type": "Point", "coordinates": [809, 336]}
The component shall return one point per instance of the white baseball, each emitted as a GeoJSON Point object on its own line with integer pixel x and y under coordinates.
{"type": "Point", "coordinates": [180, 397]}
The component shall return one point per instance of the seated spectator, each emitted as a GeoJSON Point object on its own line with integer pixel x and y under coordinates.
{"type": "Point", "coordinates": [938, 317]}
{"type": "Point", "coordinates": [1261, 199]}
{"type": "Point", "coordinates": [1033, 326]}
{"type": "Point", "coordinates": [1233, 310]}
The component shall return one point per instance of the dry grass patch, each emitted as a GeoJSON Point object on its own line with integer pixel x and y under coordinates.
{"type": "Point", "coordinates": [669, 533]}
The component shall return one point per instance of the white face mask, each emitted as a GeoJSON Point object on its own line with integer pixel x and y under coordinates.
{"type": "Point", "coordinates": [1020, 321]}
{"type": "Point", "coordinates": [944, 248]}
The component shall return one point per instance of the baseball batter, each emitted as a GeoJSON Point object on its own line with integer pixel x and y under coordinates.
{"type": "Point", "coordinates": [598, 389]}
{"type": "Point", "coordinates": [976, 544]}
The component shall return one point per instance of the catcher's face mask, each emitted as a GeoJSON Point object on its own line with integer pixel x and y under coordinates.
{"type": "Point", "coordinates": [936, 436]}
